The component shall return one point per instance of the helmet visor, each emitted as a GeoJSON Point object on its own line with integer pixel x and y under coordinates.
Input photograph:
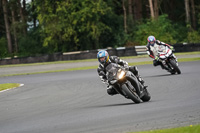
{"type": "Point", "coordinates": [102, 59]}
{"type": "Point", "coordinates": [152, 43]}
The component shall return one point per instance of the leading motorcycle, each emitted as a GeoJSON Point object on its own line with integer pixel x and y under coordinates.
{"type": "Point", "coordinates": [126, 83]}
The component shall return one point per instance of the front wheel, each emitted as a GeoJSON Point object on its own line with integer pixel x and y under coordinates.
{"type": "Point", "coordinates": [173, 63]}
{"type": "Point", "coordinates": [146, 96]}
{"type": "Point", "coordinates": [131, 94]}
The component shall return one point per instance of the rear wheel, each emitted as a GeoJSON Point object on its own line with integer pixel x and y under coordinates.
{"type": "Point", "coordinates": [173, 63]}
{"type": "Point", "coordinates": [131, 94]}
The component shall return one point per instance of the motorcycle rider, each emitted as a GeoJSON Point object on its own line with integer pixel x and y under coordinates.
{"type": "Point", "coordinates": [152, 50]}
{"type": "Point", "coordinates": [104, 60]}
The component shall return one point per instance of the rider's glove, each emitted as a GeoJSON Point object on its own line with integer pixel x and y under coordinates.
{"type": "Point", "coordinates": [156, 58]}
{"type": "Point", "coordinates": [172, 48]}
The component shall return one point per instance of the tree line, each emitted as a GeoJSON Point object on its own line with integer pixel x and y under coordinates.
{"type": "Point", "coordinates": [32, 27]}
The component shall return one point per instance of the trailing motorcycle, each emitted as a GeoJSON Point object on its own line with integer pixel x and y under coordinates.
{"type": "Point", "coordinates": [168, 60]}
{"type": "Point", "coordinates": [126, 83]}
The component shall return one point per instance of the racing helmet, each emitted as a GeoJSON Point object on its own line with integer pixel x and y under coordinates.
{"type": "Point", "coordinates": [103, 57]}
{"type": "Point", "coordinates": [151, 40]}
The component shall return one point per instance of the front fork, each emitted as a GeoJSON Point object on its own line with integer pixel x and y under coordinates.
{"type": "Point", "coordinates": [175, 59]}
{"type": "Point", "coordinates": [164, 62]}
{"type": "Point", "coordinates": [136, 88]}
{"type": "Point", "coordinates": [133, 83]}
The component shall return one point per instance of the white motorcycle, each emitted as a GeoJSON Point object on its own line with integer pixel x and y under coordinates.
{"type": "Point", "coordinates": [168, 60]}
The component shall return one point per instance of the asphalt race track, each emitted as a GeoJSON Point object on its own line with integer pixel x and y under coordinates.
{"type": "Point", "coordinates": [77, 102]}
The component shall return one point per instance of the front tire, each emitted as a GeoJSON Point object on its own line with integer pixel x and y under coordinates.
{"type": "Point", "coordinates": [173, 63]}
{"type": "Point", "coordinates": [146, 96]}
{"type": "Point", "coordinates": [131, 94]}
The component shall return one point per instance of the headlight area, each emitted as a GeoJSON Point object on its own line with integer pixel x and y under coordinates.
{"type": "Point", "coordinates": [121, 74]}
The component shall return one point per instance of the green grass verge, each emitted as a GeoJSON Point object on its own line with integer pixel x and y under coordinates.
{"type": "Point", "coordinates": [188, 129]}
{"type": "Point", "coordinates": [88, 60]}
{"type": "Point", "coordinates": [188, 59]}
{"type": "Point", "coordinates": [62, 70]}
{"type": "Point", "coordinates": [188, 53]}
{"type": "Point", "coordinates": [95, 67]}
{"type": "Point", "coordinates": [8, 86]}
{"type": "Point", "coordinates": [47, 63]}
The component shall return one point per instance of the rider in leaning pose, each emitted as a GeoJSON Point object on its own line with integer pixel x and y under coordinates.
{"type": "Point", "coordinates": [104, 60]}
{"type": "Point", "coordinates": [152, 50]}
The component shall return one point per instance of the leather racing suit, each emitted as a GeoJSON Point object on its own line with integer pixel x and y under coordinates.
{"type": "Point", "coordinates": [114, 59]}
{"type": "Point", "coordinates": [152, 51]}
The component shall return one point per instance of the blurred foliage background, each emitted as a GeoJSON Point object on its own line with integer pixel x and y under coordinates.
{"type": "Point", "coordinates": [34, 27]}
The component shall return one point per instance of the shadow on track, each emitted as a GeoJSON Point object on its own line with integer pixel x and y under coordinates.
{"type": "Point", "coordinates": [117, 105]}
{"type": "Point", "coordinates": [160, 75]}
{"type": "Point", "coordinates": [111, 105]}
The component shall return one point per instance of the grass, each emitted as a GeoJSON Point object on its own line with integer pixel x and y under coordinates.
{"type": "Point", "coordinates": [95, 67]}
{"type": "Point", "coordinates": [188, 59]}
{"type": "Point", "coordinates": [187, 53]}
{"type": "Point", "coordinates": [8, 86]}
{"type": "Point", "coordinates": [187, 129]}
{"type": "Point", "coordinates": [62, 70]}
{"type": "Point", "coordinates": [47, 63]}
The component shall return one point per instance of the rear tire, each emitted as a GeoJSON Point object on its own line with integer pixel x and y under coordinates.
{"type": "Point", "coordinates": [131, 94]}
{"type": "Point", "coordinates": [173, 63]}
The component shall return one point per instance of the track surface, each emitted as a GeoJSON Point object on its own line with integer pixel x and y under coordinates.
{"type": "Point", "coordinates": [77, 102]}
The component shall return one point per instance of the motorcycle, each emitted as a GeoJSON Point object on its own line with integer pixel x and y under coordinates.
{"type": "Point", "coordinates": [126, 83]}
{"type": "Point", "coordinates": [168, 60]}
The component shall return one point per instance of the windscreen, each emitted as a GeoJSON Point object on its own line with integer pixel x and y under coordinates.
{"type": "Point", "coordinates": [111, 71]}
{"type": "Point", "coordinates": [161, 48]}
